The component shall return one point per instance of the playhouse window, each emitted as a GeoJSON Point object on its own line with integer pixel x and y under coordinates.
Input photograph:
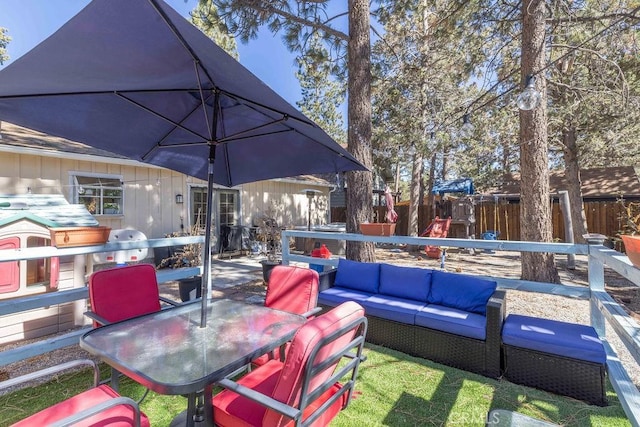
{"type": "Point", "coordinates": [101, 194]}
{"type": "Point", "coordinates": [38, 270]}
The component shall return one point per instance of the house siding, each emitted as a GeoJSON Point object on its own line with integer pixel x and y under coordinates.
{"type": "Point", "coordinates": [149, 193]}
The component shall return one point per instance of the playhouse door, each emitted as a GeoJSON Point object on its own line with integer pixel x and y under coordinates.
{"type": "Point", "coordinates": [9, 271]}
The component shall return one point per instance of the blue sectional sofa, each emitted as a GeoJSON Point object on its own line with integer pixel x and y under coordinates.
{"type": "Point", "coordinates": [449, 318]}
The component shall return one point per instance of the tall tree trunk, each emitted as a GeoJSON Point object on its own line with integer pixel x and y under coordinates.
{"type": "Point", "coordinates": [432, 178]}
{"type": "Point", "coordinates": [445, 164]}
{"type": "Point", "coordinates": [360, 184]}
{"type": "Point", "coordinates": [535, 213]}
{"type": "Point", "coordinates": [414, 198]}
{"type": "Point", "coordinates": [572, 172]}
{"type": "Point", "coordinates": [506, 154]}
{"type": "Point", "coordinates": [421, 184]}
{"type": "Point", "coordinates": [396, 187]}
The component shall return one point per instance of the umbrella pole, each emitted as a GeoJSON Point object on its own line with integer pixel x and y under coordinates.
{"type": "Point", "coordinates": [206, 260]}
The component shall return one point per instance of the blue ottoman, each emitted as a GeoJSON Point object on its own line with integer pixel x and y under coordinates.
{"type": "Point", "coordinates": [563, 358]}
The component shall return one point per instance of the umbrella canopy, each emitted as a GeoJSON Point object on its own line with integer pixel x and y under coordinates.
{"type": "Point", "coordinates": [135, 78]}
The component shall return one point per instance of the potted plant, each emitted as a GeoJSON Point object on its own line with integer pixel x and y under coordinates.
{"type": "Point", "coordinates": [186, 256]}
{"type": "Point", "coordinates": [269, 235]}
{"type": "Point", "coordinates": [111, 208]}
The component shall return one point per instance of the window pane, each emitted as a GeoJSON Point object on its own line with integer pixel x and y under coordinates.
{"type": "Point", "coordinates": [198, 206]}
{"type": "Point", "coordinates": [227, 208]}
{"type": "Point", "coordinates": [38, 270]}
{"type": "Point", "coordinates": [100, 195]}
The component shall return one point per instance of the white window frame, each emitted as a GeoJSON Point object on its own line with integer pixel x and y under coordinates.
{"type": "Point", "coordinates": [102, 207]}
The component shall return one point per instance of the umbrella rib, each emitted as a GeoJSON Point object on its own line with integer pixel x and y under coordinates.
{"type": "Point", "coordinates": [155, 113]}
{"type": "Point", "coordinates": [198, 64]}
{"type": "Point", "coordinates": [266, 107]}
{"type": "Point", "coordinates": [182, 41]}
{"type": "Point", "coordinates": [204, 105]}
{"type": "Point", "coordinates": [253, 129]}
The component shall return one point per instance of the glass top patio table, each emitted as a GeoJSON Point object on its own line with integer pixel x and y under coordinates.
{"type": "Point", "coordinates": [169, 353]}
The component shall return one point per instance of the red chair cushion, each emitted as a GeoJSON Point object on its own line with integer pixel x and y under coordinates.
{"type": "Point", "coordinates": [118, 416]}
{"type": "Point", "coordinates": [293, 289]}
{"type": "Point", "coordinates": [233, 410]}
{"type": "Point", "coordinates": [271, 355]}
{"type": "Point", "coordinates": [289, 384]}
{"type": "Point", "coordinates": [124, 292]}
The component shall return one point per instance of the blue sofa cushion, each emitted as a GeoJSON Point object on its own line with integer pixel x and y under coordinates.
{"type": "Point", "coordinates": [551, 336]}
{"type": "Point", "coordinates": [453, 321]}
{"type": "Point", "coordinates": [460, 291]}
{"type": "Point", "coordinates": [391, 308]}
{"type": "Point", "coordinates": [336, 296]}
{"type": "Point", "coordinates": [359, 276]}
{"type": "Point", "coordinates": [405, 282]}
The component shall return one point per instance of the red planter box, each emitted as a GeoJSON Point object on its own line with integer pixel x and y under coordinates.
{"type": "Point", "coordinates": [67, 237]}
{"type": "Point", "coordinates": [378, 229]}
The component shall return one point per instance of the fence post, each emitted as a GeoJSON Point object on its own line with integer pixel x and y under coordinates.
{"type": "Point", "coordinates": [596, 280]}
{"type": "Point", "coordinates": [565, 207]}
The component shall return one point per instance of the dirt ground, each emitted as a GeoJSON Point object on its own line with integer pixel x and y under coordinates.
{"type": "Point", "coordinates": [498, 264]}
{"type": "Point", "coordinates": [507, 264]}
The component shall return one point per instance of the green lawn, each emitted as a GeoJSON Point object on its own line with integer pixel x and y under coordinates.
{"type": "Point", "coordinates": [393, 389]}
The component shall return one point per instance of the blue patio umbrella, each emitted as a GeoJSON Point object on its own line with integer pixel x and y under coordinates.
{"type": "Point", "coordinates": [135, 78]}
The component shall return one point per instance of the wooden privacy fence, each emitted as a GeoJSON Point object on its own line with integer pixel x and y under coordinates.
{"type": "Point", "coordinates": [603, 217]}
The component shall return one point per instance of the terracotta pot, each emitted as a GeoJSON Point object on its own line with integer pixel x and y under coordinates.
{"type": "Point", "coordinates": [632, 248]}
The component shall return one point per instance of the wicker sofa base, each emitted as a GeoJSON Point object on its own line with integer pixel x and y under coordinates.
{"type": "Point", "coordinates": [449, 349]}
{"type": "Point", "coordinates": [561, 375]}
{"type": "Point", "coordinates": [455, 350]}
{"type": "Point", "coordinates": [395, 335]}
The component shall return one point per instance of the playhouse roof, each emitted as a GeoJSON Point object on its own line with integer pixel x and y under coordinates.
{"type": "Point", "coordinates": [49, 210]}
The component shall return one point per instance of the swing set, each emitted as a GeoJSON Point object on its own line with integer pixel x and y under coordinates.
{"type": "Point", "coordinates": [495, 232]}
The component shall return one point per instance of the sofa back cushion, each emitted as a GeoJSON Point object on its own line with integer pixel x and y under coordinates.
{"type": "Point", "coordinates": [460, 291]}
{"type": "Point", "coordinates": [405, 282]}
{"type": "Point", "coordinates": [359, 276]}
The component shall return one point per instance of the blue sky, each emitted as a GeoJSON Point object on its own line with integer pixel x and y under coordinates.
{"type": "Point", "coordinates": [31, 21]}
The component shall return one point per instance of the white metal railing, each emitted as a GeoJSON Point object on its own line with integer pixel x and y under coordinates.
{"type": "Point", "coordinates": [602, 307]}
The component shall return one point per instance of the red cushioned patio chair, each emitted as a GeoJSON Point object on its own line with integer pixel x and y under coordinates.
{"type": "Point", "coordinates": [304, 390]}
{"type": "Point", "coordinates": [122, 293]}
{"type": "Point", "coordinates": [98, 406]}
{"type": "Point", "coordinates": [292, 289]}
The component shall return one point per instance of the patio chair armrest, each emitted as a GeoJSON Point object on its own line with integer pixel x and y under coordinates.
{"type": "Point", "coordinates": [311, 312]}
{"type": "Point", "coordinates": [263, 399]}
{"type": "Point", "coordinates": [51, 371]}
{"type": "Point", "coordinates": [97, 318]}
{"type": "Point", "coordinates": [169, 301]}
{"type": "Point", "coordinates": [100, 407]}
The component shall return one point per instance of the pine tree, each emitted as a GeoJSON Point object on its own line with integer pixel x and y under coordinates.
{"type": "Point", "coordinates": [4, 41]}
